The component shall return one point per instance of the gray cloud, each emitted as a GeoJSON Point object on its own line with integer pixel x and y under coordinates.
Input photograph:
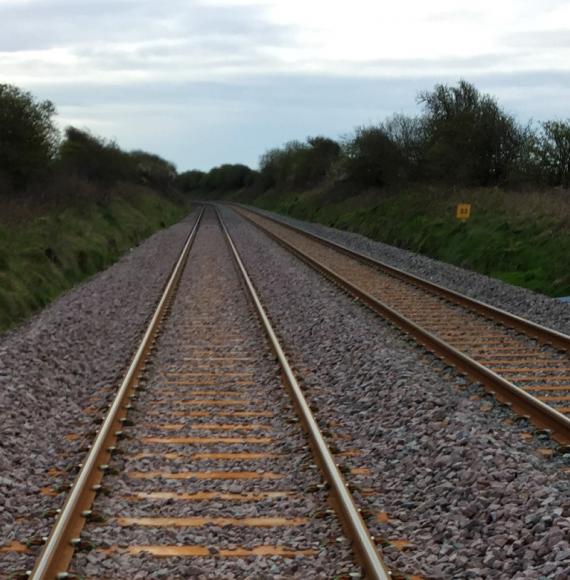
{"type": "Point", "coordinates": [540, 39]}
{"type": "Point", "coordinates": [40, 24]}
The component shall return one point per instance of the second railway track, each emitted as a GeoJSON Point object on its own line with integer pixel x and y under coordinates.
{"type": "Point", "coordinates": [525, 365]}
{"type": "Point", "coordinates": [201, 467]}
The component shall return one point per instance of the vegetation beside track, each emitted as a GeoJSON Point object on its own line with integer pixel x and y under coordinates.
{"type": "Point", "coordinates": [69, 205]}
{"type": "Point", "coordinates": [48, 252]}
{"type": "Point", "coordinates": [399, 180]}
{"type": "Point", "coordinates": [520, 238]}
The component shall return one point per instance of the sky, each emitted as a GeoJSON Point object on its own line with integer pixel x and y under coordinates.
{"type": "Point", "coordinates": [205, 82]}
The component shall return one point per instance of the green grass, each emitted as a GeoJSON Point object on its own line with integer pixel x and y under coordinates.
{"type": "Point", "coordinates": [520, 238]}
{"type": "Point", "coordinates": [46, 255]}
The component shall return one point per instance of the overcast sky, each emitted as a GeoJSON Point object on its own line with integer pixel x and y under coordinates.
{"type": "Point", "coordinates": [203, 82]}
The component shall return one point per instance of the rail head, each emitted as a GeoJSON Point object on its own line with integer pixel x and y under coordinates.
{"type": "Point", "coordinates": [363, 543]}
{"type": "Point", "coordinates": [58, 549]}
{"type": "Point", "coordinates": [547, 335]}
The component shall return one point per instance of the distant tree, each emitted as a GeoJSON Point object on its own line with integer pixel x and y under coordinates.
{"type": "Point", "coordinates": [153, 170]}
{"type": "Point", "coordinates": [298, 164]}
{"type": "Point", "coordinates": [321, 155]}
{"type": "Point", "coordinates": [28, 136]}
{"type": "Point", "coordinates": [270, 168]}
{"type": "Point", "coordinates": [554, 152]}
{"type": "Point", "coordinates": [95, 159]}
{"type": "Point", "coordinates": [373, 158]}
{"type": "Point", "coordinates": [327, 148]}
{"type": "Point", "coordinates": [525, 166]}
{"type": "Point", "coordinates": [409, 135]}
{"type": "Point", "coordinates": [293, 169]}
{"type": "Point", "coordinates": [469, 138]}
{"type": "Point", "coordinates": [227, 177]}
{"type": "Point", "coordinates": [190, 180]}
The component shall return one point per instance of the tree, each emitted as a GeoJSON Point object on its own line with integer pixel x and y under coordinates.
{"type": "Point", "coordinates": [409, 135]}
{"type": "Point", "coordinates": [28, 136]}
{"type": "Point", "coordinates": [227, 177]}
{"type": "Point", "coordinates": [321, 155]}
{"type": "Point", "coordinates": [554, 152]}
{"type": "Point", "coordinates": [95, 159]}
{"type": "Point", "coordinates": [275, 165]}
{"type": "Point", "coordinates": [269, 168]}
{"type": "Point", "coordinates": [469, 138]}
{"type": "Point", "coordinates": [190, 180]}
{"type": "Point", "coordinates": [298, 164]}
{"type": "Point", "coordinates": [153, 170]}
{"type": "Point", "coordinates": [373, 158]}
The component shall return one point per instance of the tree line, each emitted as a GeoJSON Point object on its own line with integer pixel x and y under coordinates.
{"type": "Point", "coordinates": [33, 153]}
{"type": "Point", "coordinates": [461, 137]}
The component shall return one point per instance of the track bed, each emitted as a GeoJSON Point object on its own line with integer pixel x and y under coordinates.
{"type": "Point", "coordinates": [526, 365]}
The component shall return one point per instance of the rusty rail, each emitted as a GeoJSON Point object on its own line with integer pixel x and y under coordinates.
{"type": "Point", "coordinates": [58, 551]}
{"type": "Point", "coordinates": [56, 555]}
{"type": "Point", "coordinates": [363, 543]}
{"type": "Point", "coordinates": [542, 414]}
{"type": "Point", "coordinates": [546, 335]}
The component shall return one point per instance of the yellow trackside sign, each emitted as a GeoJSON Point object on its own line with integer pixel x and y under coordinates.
{"type": "Point", "coordinates": [463, 211]}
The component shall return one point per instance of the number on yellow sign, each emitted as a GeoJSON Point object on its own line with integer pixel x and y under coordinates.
{"type": "Point", "coordinates": [463, 211]}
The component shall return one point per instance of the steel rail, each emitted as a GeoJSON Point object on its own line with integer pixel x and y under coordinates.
{"type": "Point", "coordinates": [363, 543]}
{"type": "Point", "coordinates": [543, 415]}
{"type": "Point", "coordinates": [528, 327]}
{"type": "Point", "coordinates": [56, 555]}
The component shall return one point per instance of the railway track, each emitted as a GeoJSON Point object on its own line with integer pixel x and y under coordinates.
{"type": "Point", "coordinates": [525, 365]}
{"type": "Point", "coordinates": [203, 464]}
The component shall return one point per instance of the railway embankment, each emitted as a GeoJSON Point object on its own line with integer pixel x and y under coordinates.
{"type": "Point", "coordinates": [58, 373]}
{"type": "Point", "coordinates": [535, 306]}
{"type": "Point", "coordinates": [522, 238]}
{"type": "Point", "coordinates": [46, 249]}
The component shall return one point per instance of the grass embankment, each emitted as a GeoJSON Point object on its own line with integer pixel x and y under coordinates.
{"type": "Point", "coordinates": [520, 238]}
{"type": "Point", "coordinates": [41, 256]}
